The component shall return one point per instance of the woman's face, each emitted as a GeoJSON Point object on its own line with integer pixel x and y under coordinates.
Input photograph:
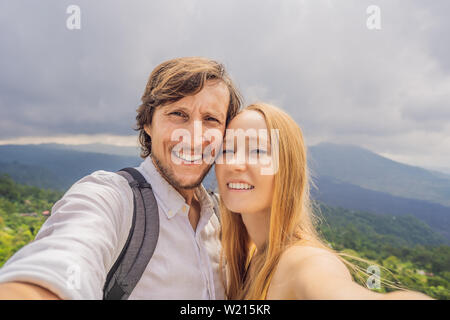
{"type": "Point", "coordinates": [243, 185]}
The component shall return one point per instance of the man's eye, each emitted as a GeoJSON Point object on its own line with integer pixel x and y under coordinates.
{"type": "Point", "coordinates": [178, 113]}
{"type": "Point", "coordinates": [212, 119]}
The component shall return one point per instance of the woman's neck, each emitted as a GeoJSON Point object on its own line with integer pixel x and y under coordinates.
{"type": "Point", "coordinates": [258, 226]}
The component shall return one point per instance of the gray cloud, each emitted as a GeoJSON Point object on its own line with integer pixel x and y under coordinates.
{"type": "Point", "coordinates": [383, 89]}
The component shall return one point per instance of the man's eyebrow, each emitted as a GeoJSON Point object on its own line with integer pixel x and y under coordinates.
{"type": "Point", "coordinates": [176, 106]}
{"type": "Point", "coordinates": [181, 107]}
{"type": "Point", "coordinates": [215, 114]}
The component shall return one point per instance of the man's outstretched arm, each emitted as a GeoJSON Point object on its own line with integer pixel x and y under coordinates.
{"type": "Point", "coordinates": [76, 246]}
{"type": "Point", "coordinates": [25, 291]}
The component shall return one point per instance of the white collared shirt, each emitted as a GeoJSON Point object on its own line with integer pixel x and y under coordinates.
{"type": "Point", "coordinates": [78, 244]}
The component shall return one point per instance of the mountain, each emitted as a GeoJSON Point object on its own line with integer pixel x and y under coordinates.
{"type": "Point", "coordinates": [345, 195]}
{"type": "Point", "coordinates": [96, 148]}
{"type": "Point", "coordinates": [32, 175]}
{"type": "Point", "coordinates": [59, 168]}
{"type": "Point", "coordinates": [440, 170]}
{"type": "Point", "coordinates": [368, 170]}
{"type": "Point", "coordinates": [356, 178]}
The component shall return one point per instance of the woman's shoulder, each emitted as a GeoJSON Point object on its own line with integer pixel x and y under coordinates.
{"type": "Point", "coordinates": [304, 265]}
{"type": "Point", "coordinates": [299, 252]}
{"type": "Point", "coordinates": [306, 256]}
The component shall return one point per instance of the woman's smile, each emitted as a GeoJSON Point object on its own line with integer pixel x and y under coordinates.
{"type": "Point", "coordinates": [239, 186]}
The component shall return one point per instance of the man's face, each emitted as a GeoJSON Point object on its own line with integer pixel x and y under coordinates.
{"type": "Point", "coordinates": [206, 110]}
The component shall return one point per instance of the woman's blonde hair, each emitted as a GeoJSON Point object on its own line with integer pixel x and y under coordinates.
{"type": "Point", "coordinates": [291, 219]}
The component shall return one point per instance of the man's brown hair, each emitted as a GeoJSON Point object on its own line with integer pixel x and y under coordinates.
{"type": "Point", "coordinates": [175, 79]}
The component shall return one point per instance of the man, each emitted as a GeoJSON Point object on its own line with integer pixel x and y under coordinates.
{"type": "Point", "coordinates": [77, 246]}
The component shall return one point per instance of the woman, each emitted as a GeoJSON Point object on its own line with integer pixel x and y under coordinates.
{"type": "Point", "coordinates": [270, 246]}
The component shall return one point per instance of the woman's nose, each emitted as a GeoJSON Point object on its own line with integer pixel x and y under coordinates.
{"type": "Point", "coordinates": [235, 161]}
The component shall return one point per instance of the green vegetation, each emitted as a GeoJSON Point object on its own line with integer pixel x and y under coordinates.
{"type": "Point", "coordinates": [32, 175]}
{"type": "Point", "coordinates": [21, 215]}
{"type": "Point", "coordinates": [408, 252]}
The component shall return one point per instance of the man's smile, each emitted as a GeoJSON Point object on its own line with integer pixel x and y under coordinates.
{"type": "Point", "coordinates": [195, 159]}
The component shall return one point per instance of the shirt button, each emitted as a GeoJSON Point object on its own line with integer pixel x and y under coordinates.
{"type": "Point", "coordinates": [184, 209]}
{"type": "Point", "coordinates": [170, 213]}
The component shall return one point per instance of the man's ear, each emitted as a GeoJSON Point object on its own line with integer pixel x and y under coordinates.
{"type": "Point", "coordinates": [147, 129]}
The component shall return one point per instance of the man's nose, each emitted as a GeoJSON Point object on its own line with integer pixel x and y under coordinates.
{"type": "Point", "coordinates": [198, 140]}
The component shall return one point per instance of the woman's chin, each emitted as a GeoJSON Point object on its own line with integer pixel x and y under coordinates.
{"type": "Point", "coordinates": [236, 207]}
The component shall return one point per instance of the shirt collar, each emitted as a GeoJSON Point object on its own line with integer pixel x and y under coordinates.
{"type": "Point", "coordinates": [169, 199]}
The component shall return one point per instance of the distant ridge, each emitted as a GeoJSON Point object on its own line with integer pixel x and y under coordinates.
{"type": "Point", "coordinates": [66, 166]}
{"type": "Point", "coordinates": [96, 148]}
{"type": "Point", "coordinates": [361, 167]}
{"type": "Point", "coordinates": [341, 194]}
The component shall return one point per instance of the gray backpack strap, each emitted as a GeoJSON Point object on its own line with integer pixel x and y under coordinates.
{"type": "Point", "coordinates": [141, 242]}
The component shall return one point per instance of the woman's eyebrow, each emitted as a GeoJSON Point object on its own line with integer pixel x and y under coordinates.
{"type": "Point", "coordinates": [254, 141]}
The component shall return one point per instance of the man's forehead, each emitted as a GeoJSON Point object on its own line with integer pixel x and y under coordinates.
{"type": "Point", "coordinates": [218, 99]}
{"type": "Point", "coordinates": [209, 99]}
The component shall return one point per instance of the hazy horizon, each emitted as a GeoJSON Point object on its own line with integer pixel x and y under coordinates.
{"type": "Point", "coordinates": [120, 142]}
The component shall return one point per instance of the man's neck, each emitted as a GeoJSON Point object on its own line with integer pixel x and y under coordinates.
{"type": "Point", "coordinates": [194, 212]}
{"type": "Point", "coordinates": [187, 194]}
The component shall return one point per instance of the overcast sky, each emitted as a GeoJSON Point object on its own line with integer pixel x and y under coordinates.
{"type": "Point", "coordinates": [387, 90]}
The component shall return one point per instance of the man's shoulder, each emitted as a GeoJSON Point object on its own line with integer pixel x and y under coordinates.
{"type": "Point", "coordinates": [101, 193]}
{"type": "Point", "coordinates": [100, 186]}
{"type": "Point", "coordinates": [101, 178]}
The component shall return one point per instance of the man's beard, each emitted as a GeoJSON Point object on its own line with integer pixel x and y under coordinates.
{"type": "Point", "coordinates": [167, 174]}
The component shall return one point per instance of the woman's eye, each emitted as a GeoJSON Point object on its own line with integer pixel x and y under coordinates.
{"type": "Point", "coordinates": [259, 151]}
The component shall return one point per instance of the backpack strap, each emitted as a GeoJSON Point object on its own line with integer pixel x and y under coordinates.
{"type": "Point", "coordinates": [141, 241]}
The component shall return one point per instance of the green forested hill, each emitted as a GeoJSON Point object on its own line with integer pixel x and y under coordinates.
{"type": "Point", "coordinates": [415, 254]}
{"type": "Point", "coordinates": [21, 215]}
{"type": "Point", "coordinates": [417, 257]}
{"type": "Point", "coordinates": [353, 228]}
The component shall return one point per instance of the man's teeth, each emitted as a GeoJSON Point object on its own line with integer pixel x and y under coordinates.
{"type": "Point", "coordinates": [240, 186]}
{"type": "Point", "coordinates": [187, 157]}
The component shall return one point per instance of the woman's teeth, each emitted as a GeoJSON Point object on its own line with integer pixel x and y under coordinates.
{"type": "Point", "coordinates": [240, 186]}
{"type": "Point", "coordinates": [187, 157]}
